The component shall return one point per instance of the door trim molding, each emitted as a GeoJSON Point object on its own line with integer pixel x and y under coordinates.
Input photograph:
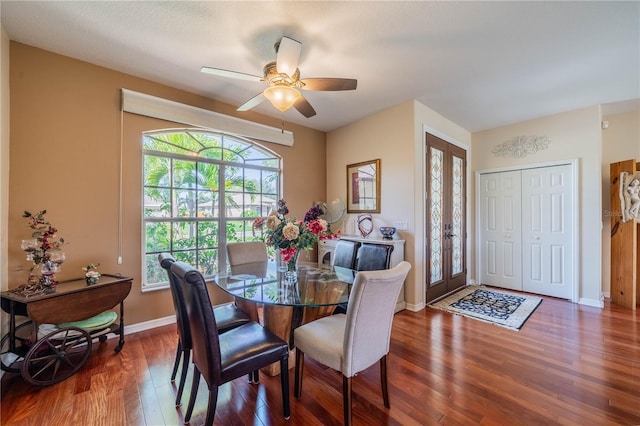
{"type": "Point", "coordinates": [574, 163]}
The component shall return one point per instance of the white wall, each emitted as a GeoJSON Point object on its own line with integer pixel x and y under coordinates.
{"type": "Point", "coordinates": [621, 141]}
{"type": "Point", "coordinates": [396, 136]}
{"type": "Point", "coordinates": [573, 135]}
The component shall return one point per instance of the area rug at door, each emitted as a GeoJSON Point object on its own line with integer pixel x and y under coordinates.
{"type": "Point", "coordinates": [499, 307]}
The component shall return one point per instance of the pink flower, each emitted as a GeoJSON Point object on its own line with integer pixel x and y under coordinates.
{"type": "Point", "coordinates": [258, 223]}
{"type": "Point", "coordinates": [288, 253]}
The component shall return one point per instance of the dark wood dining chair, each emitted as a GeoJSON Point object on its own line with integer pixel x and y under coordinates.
{"type": "Point", "coordinates": [227, 317]}
{"type": "Point", "coordinates": [373, 257]}
{"type": "Point", "coordinates": [353, 342]}
{"type": "Point", "coordinates": [344, 254]}
{"type": "Point", "coordinates": [221, 358]}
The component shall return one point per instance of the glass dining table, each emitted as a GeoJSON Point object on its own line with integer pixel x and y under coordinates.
{"type": "Point", "coordinates": [286, 304]}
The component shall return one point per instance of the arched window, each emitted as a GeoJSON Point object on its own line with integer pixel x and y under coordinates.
{"type": "Point", "coordinates": [201, 190]}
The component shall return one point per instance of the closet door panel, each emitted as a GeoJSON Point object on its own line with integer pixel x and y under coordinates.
{"type": "Point", "coordinates": [500, 229]}
{"type": "Point", "coordinates": [547, 203]}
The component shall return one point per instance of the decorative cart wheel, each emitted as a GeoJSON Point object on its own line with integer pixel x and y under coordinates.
{"type": "Point", "coordinates": [11, 359]}
{"type": "Point", "coordinates": [56, 356]}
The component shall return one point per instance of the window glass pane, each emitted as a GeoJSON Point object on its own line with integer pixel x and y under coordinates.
{"type": "Point", "coordinates": [188, 256]}
{"type": "Point", "coordinates": [207, 204]}
{"type": "Point", "coordinates": [158, 236]}
{"type": "Point", "coordinates": [208, 262]}
{"type": "Point", "coordinates": [208, 176]}
{"type": "Point", "coordinates": [184, 174]}
{"type": "Point", "coordinates": [236, 230]}
{"type": "Point", "coordinates": [270, 183]}
{"type": "Point", "coordinates": [436, 210]}
{"type": "Point", "coordinates": [154, 272]}
{"type": "Point", "coordinates": [157, 171]}
{"type": "Point", "coordinates": [185, 203]}
{"type": "Point", "coordinates": [184, 235]}
{"type": "Point", "coordinates": [252, 180]}
{"type": "Point", "coordinates": [207, 234]}
{"type": "Point", "coordinates": [457, 214]}
{"type": "Point", "coordinates": [157, 202]}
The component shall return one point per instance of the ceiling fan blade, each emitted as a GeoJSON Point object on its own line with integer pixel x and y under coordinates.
{"type": "Point", "coordinates": [304, 107]}
{"type": "Point", "coordinates": [329, 84]}
{"type": "Point", "coordinates": [230, 74]}
{"type": "Point", "coordinates": [253, 102]}
{"type": "Point", "coordinates": [288, 56]}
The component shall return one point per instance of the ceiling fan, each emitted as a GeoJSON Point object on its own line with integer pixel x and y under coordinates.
{"type": "Point", "coordinates": [283, 78]}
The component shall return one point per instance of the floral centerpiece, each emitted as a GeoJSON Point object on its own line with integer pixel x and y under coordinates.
{"type": "Point", "coordinates": [43, 250]}
{"type": "Point", "coordinates": [292, 236]}
{"type": "Point", "coordinates": [91, 274]}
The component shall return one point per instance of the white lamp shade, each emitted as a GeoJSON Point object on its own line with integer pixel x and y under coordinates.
{"type": "Point", "coordinates": [282, 97]}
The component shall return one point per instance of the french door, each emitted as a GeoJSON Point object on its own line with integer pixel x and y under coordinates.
{"type": "Point", "coordinates": [446, 206]}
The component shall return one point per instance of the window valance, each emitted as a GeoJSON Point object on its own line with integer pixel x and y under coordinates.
{"type": "Point", "coordinates": [152, 106]}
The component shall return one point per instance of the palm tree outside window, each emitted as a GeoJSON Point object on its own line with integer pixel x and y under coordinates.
{"type": "Point", "coordinates": [202, 189]}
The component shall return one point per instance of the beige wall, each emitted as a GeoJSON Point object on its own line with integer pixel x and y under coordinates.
{"type": "Point", "coordinates": [64, 154]}
{"type": "Point", "coordinates": [4, 157]}
{"type": "Point", "coordinates": [621, 141]}
{"type": "Point", "coordinates": [396, 137]}
{"type": "Point", "coordinates": [573, 135]}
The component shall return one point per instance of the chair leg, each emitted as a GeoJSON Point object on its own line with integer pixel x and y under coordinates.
{"type": "Point", "coordinates": [284, 383]}
{"type": "Point", "coordinates": [254, 377]}
{"type": "Point", "coordinates": [383, 379]}
{"type": "Point", "coordinates": [194, 392]}
{"type": "Point", "coordinates": [297, 386]}
{"type": "Point", "coordinates": [176, 362]}
{"type": "Point", "coordinates": [186, 355]}
{"type": "Point", "coordinates": [346, 400]}
{"type": "Point", "coordinates": [211, 408]}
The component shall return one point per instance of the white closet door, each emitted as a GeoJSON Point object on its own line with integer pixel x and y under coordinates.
{"type": "Point", "coordinates": [500, 230]}
{"type": "Point", "coordinates": [547, 206]}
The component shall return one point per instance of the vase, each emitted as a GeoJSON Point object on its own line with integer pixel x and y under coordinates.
{"type": "Point", "coordinates": [92, 280]}
{"type": "Point", "coordinates": [291, 274]}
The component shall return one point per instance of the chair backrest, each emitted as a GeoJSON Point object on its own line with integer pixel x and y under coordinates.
{"type": "Point", "coordinates": [370, 316]}
{"type": "Point", "coordinates": [166, 260]}
{"type": "Point", "coordinates": [242, 253]}
{"type": "Point", "coordinates": [373, 257]}
{"type": "Point", "coordinates": [202, 323]}
{"type": "Point", "coordinates": [344, 255]}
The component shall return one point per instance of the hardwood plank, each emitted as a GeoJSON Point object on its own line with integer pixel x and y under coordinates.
{"type": "Point", "coordinates": [570, 364]}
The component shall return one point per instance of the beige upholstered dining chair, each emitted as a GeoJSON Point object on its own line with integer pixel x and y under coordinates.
{"type": "Point", "coordinates": [353, 342]}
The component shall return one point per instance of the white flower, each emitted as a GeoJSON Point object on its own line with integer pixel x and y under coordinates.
{"type": "Point", "coordinates": [273, 222]}
{"type": "Point", "coordinates": [92, 274]}
{"type": "Point", "coordinates": [324, 224]}
{"type": "Point", "coordinates": [290, 231]}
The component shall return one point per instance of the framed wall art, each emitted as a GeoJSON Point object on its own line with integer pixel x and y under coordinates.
{"type": "Point", "coordinates": [363, 187]}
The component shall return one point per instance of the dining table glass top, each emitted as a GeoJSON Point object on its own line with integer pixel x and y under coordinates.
{"type": "Point", "coordinates": [266, 283]}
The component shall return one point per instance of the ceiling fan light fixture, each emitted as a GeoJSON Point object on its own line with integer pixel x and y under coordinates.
{"type": "Point", "coordinates": [282, 97]}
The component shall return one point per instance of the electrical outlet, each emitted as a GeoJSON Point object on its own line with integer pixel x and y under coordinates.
{"type": "Point", "coordinates": [401, 225]}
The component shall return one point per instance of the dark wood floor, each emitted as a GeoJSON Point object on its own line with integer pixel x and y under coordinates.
{"type": "Point", "coordinates": [569, 364]}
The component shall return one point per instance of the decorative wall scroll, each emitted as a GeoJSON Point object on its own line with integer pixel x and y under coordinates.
{"type": "Point", "coordinates": [520, 146]}
{"type": "Point", "coordinates": [630, 196]}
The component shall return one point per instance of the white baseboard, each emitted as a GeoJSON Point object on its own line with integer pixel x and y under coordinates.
{"type": "Point", "coordinates": [148, 325]}
{"type": "Point", "coordinates": [591, 302]}
{"type": "Point", "coordinates": [415, 307]}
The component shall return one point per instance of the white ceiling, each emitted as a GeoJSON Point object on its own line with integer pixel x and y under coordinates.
{"type": "Point", "coordinates": [479, 64]}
